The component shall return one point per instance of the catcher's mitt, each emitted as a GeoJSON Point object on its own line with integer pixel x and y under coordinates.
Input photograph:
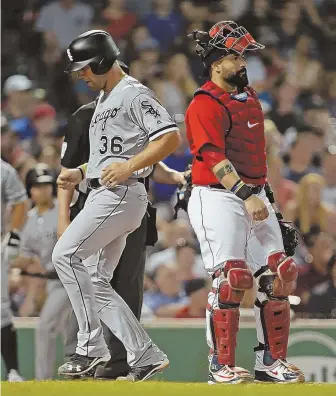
{"type": "Point", "coordinates": [183, 194]}
{"type": "Point", "coordinates": [290, 235]}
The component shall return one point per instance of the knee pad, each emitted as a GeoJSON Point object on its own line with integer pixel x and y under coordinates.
{"type": "Point", "coordinates": [232, 282]}
{"type": "Point", "coordinates": [229, 286]}
{"type": "Point", "coordinates": [285, 267]}
{"type": "Point", "coordinates": [277, 279]}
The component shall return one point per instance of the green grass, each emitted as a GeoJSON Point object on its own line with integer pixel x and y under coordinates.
{"type": "Point", "coordinates": [109, 388]}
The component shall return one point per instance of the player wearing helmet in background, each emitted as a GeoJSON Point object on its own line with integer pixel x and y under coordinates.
{"type": "Point", "coordinates": [13, 197]}
{"type": "Point", "coordinates": [234, 222]}
{"type": "Point", "coordinates": [129, 132]}
{"type": "Point", "coordinates": [38, 238]}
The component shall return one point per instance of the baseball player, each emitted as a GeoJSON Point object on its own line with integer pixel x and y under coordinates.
{"type": "Point", "coordinates": [128, 277]}
{"type": "Point", "coordinates": [236, 225]}
{"type": "Point", "coordinates": [38, 238]}
{"type": "Point", "coordinates": [129, 132]}
{"type": "Point", "coordinates": [13, 194]}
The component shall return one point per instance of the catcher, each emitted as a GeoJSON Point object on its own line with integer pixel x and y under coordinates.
{"type": "Point", "coordinates": [234, 221]}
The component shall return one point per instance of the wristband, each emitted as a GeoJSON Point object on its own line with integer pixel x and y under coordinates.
{"type": "Point", "coordinates": [82, 172]}
{"type": "Point", "coordinates": [243, 192]}
{"type": "Point", "coordinates": [237, 186]}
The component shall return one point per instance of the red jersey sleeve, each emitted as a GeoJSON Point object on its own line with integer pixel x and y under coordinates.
{"type": "Point", "coordinates": [206, 123]}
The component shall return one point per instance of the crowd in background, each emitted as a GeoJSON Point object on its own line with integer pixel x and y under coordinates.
{"type": "Point", "coordinates": [295, 76]}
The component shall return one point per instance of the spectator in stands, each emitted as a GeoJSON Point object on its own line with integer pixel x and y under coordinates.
{"type": "Point", "coordinates": [283, 112]}
{"type": "Point", "coordinates": [301, 154]}
{"type": "Point", "coordinates": [178, 86]}
{"type": "Point", "coordinates": [197, 290]}
{"type": "Point", "coordinates": [12, 152]}
{"type": "Point", "coordinates": [50, 155]}
{"type": "Point", "coordinates": [257, 73]}
{"type": "Point", "coordinates": [289, 28]}
{"type": "Point", "coordinates": [320, 248]}
{"type": "Point", "coordinates": [168, 297]}
{"type": "Point", "coordinates": [19, 104]}
{"type": "Point", "coordinates": [273, 138]}
{"type": "Point", "coordinates": [120, 20]}
{"type": "Point", "coordinates": [329, 173]}
{"type": "Point", "coordinates": [61, 21]}
{"type": "Point", "coordinates": [169, 235]}
{"type": "Point", "coordinates": [164, 23]}
{"type": "Point", "coordinates": [284, 190]}
{"type": "Point", "coordinates": [188, 261]}
{"type": "Point", "coordinates": [137, 36]}
{"type": "Point", "coordinates": [304, 66]}
{"type": "Point", "coordinates": [44, 123]}
{"type": "Point", "coordinates": [308, 210]}
{"type": "Point", "coordinates": [147, 66]}
{"type": "Point", "coordinates": [325, 35]}
{"type": "Point", "coordinates": [316, 113]}
{"type": "Point", "coordinates": [322, 300]}
{"type": "Point", "coordinates": [141, 8]}
{"type": "Point", "coordinates": [258, 19]}
{"type": "Point", "coordinates": [196, 12]}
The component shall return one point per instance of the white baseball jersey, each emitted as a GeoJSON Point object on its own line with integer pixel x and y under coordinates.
{"type": "Point", "coordinates": [124, 122]}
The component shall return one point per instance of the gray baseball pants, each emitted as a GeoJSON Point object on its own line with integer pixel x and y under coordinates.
{"type": "Point", "coordinates": [104, 223]}
{"type": "Point", "coordinates": [52, 322]}
{"type": "Point", "coordinates": [6, 312]}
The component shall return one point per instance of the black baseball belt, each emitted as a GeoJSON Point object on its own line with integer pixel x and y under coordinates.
{"type": "Point", "coordinates": [94, 184]}
{"type": "Point", "coordinates": [254, 189]}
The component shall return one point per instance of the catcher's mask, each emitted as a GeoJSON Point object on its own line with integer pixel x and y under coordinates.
{"type": "Point", "coordinates": [224, 38]}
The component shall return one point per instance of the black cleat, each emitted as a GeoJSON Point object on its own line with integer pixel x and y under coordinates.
{"type": "Point", "coordinates": [139, 374]}
{"type": "Point", "coordinates": [112, 370]}
{"type": "Point", "coordinates": [79, 365]}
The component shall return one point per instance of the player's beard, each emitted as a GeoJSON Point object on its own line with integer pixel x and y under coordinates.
{"type": "Point", "coordinates": [239, 79]}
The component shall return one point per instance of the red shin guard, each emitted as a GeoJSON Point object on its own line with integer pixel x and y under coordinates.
{"type": "Point", "coordinates": [226, 326]}
{"type": "Point", "coordinates": [233, 280]}
{"type": "Point", "coordinates": [276, 318]}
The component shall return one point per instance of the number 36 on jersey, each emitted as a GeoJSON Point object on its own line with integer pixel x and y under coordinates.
{"type": "Point", "coordinates": [113, 145]}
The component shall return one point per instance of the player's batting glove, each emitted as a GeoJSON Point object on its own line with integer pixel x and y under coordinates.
{"type": "Point", "coordinates": [11, 244]}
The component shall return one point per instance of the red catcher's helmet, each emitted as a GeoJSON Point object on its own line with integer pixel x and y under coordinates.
{"type": "Point", "coordinates": [227, 35]}
{"type": "Point", "coordinates": [223, 38]}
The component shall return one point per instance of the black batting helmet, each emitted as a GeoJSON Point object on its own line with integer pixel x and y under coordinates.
{"type": "Point", "coordinates": [95, 48]}
{"type": "Point", "coordinates": [40, 174]}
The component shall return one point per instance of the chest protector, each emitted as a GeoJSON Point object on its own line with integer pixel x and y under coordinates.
{"type": "Point", "coordinates": [244, 139]}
